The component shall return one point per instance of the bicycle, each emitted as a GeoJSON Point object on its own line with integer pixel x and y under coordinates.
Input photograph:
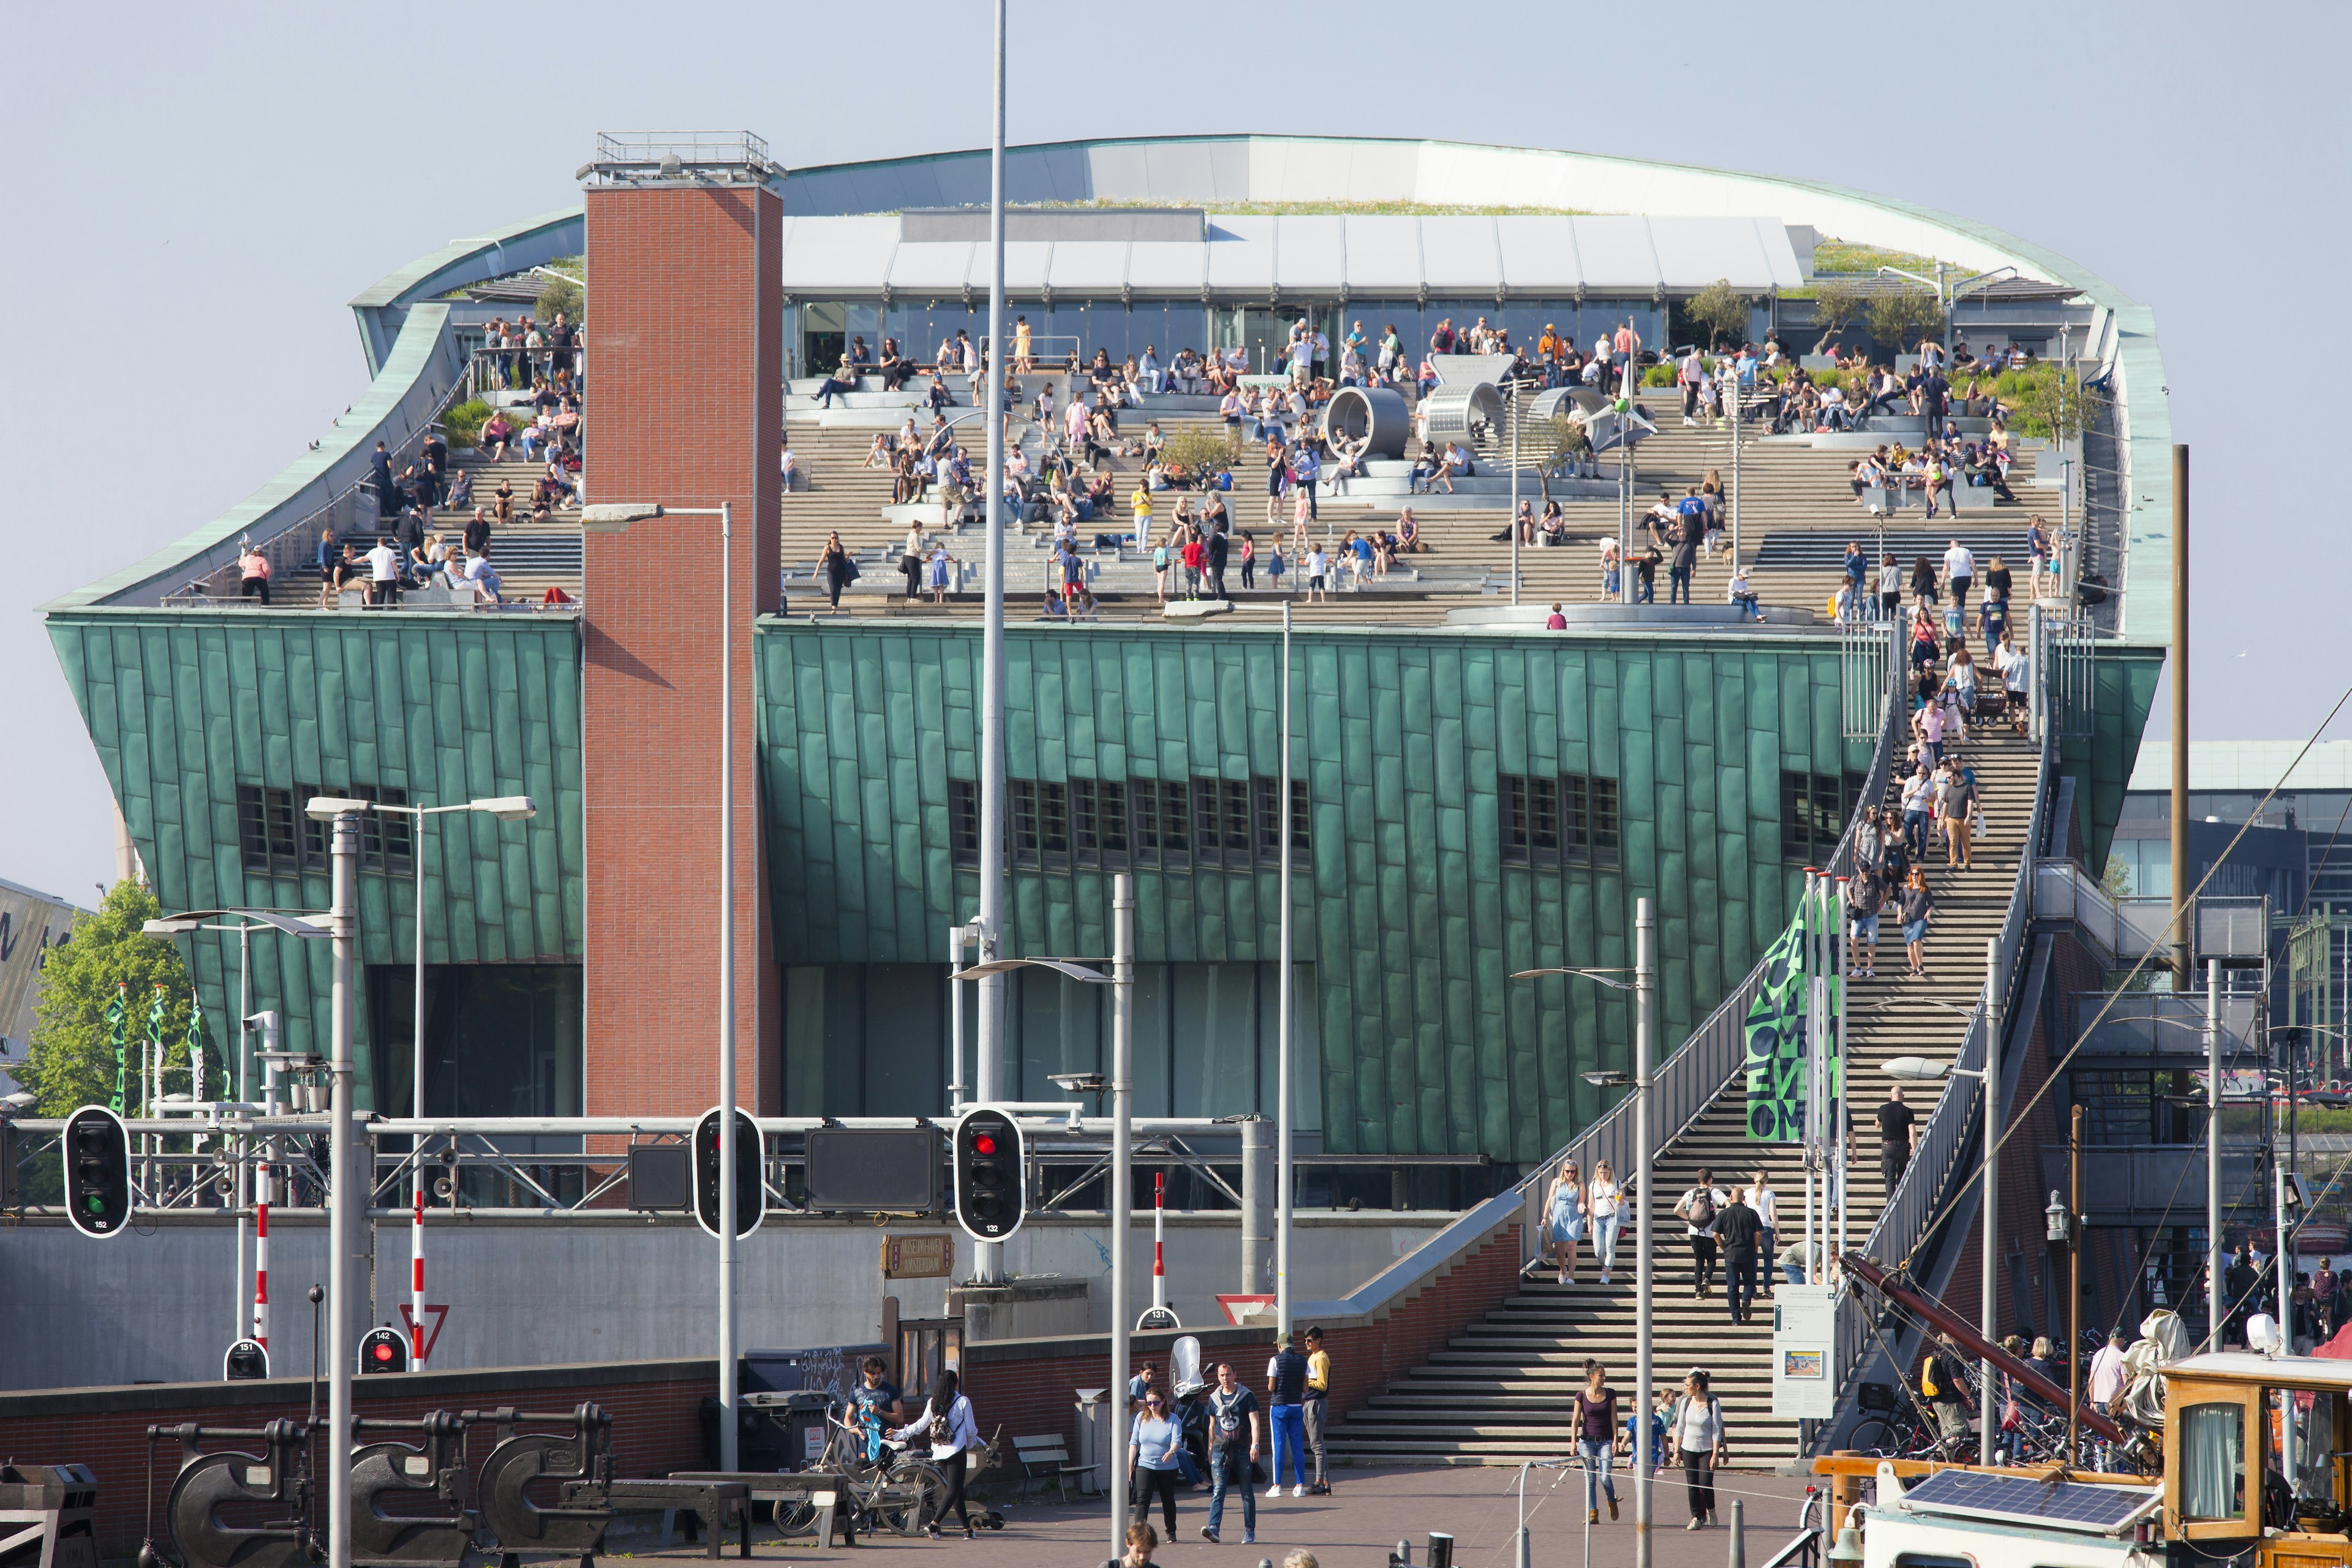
{"type": "Point", "coordinates": [1902, 1434]}
{"type": "Point", "coordinates": [901, 1494]}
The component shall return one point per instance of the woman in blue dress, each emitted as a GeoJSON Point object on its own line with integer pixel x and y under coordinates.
{"type": "Point", "coordinates": [1564, 1219]}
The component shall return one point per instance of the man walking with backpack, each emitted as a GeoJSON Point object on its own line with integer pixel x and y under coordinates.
{"type": "Point", "coordinates": [1698, 1209]}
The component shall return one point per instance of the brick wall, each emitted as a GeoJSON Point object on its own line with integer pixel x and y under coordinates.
{"type": "Point", "coordinates": [655, 1407]}
{"type": "Point", "coordinates": [685, 372]}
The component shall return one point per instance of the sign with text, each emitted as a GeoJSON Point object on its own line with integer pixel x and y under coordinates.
{"type": "Point", "coordinates": [918, 1257]}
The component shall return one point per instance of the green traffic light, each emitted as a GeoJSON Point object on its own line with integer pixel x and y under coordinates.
{"type": "Point", "coordinates": [95, 1203]}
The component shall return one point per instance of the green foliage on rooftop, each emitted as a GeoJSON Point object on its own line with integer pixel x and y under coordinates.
{"type": "Point", "coordinates": [1847, 256]}
{"type": "Point", "coordinates": [464, 421]}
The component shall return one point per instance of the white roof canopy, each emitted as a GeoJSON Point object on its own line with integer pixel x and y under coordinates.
{"type": "Point", "coordinates": [1471, 256]}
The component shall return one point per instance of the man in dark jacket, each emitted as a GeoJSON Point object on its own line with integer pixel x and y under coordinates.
{"type": "Point", "coordinates": [1739, 1230]}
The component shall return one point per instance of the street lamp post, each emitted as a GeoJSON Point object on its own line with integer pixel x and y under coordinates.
{"type": "Point", "coordinates": [247, 921]}
{"type": "Point", "coordinates": [505, 808]}
{"type": "Point", "coordinates": [1645, 927]}
{"type": "Point", "coordinates": [1119, 1199]}
{"type": "Point", "coordinates": [615, 518]}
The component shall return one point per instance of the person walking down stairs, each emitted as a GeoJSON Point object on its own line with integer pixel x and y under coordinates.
{"type": "Point", "coordinates": [1699, 1209]}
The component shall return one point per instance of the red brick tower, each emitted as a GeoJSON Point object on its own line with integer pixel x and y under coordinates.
{"type": "Point", "coordinates": [685, 367]}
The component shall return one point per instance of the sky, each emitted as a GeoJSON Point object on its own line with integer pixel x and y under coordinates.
{"type": "Point", "coordinates": [198, 191]}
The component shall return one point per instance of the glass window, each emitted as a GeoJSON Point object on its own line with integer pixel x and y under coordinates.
{"type": "Point", "coordinates": [1215, 1035]}
{"type": "Point", "coordinates": [2312, 1436]}
{"type": "Point", "coordinates": [2213, 1462]}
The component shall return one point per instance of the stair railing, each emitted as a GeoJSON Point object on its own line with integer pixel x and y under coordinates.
{"type": "Point", "coordinates": [1914, 1204]}
{"type": "Point", "coordinates": [1695, 1075]}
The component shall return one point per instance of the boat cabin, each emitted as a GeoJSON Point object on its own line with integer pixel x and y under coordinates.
{"type": "Point", "coordinates": [2234, 1415]}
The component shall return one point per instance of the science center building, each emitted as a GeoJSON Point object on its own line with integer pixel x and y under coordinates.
{"type": "Point", "coordinates": [1476, 795]}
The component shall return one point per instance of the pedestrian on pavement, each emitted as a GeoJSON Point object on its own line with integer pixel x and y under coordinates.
{"type": "Point", "coordinates": [1897, 1133]}
{"type": "Point", "coordinates": [1767, 1204]}
{"type": "Point", "coordinates": [1286, 1382]}
{"type": "Point", "coordinates": [1699, 1209]}
{"type": "Point", "coordinates": [1596, 1440]}
{"type": "Point", "coordinates": [1917, 905]}
{"type": "Point", "coordinates": [955, 1434]}
{"type": "Point", "coordinates": [1605, 1203]}
{"type": "Point", "coordinates": [1317, 1409]}
{"type": "Point", "coordinates": [2326, 1298]}
{"type": "Point", "coordinates": [1696, 1431]}
{"type": "Point", "coordinates": [1564, 1220]}
{"type": "Point", "coordinates": [1739, 1230]}
{"type": "Point", "coordinates": [1236, 1429]}
{"type": "Point", "coordinates": [1141, 1541]}
{"type": "Point", "coordinates": [1152, 1444]}
{"type": "Point", "coordinates": [1943, 1380]}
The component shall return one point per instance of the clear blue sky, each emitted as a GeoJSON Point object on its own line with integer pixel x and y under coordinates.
{"type": "Point", "coordinates": [196, 192]}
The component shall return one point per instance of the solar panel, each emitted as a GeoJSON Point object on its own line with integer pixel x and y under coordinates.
{"type": "Point", "coordinates": [2066, 1504]}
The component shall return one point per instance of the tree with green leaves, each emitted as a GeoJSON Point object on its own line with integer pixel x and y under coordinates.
{"type": "Point", "coordinates": [559, 294]}
{"type": "Point", "coordinates": [1722, 310]}
{"type": "Point", "coordinates": [1902, 317]}
{"type": "Point", "coordinates": [69, 1062]}
{"type": "Point", "coordinates": [1838, 303]}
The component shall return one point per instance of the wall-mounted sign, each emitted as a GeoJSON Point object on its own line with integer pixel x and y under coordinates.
{"type": "Point", "coordinates": [918, 1257]}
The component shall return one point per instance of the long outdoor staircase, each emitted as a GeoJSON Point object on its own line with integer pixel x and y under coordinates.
{"type": "Point", "coordinates": [1501, 1392]}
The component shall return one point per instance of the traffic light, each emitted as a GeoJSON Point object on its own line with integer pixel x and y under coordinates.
{"type": "Point", "coordinates": [989, 1200]}
{"type": "Point", "coordinates": [383, 1349]}
{"type": "Point", "coordinates": [245, 1360]}
{"type": "Point", "coordinates": [750, 1193]}
{"type": "Point", "coordinates": [98, 1172]}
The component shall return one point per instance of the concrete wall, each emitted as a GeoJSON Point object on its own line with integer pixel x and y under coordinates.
{"type": "Point", "coordinates": [159, 1305]}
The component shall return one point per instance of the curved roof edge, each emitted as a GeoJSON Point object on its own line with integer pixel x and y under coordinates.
{"type": "Point", "coordinates": [383, 304]}
{"type": "Point", "coordinates": [1209, 170]}
{"type": "Point", "coordinates": [422, 368]}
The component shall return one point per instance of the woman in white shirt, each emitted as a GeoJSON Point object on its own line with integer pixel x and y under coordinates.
{"type": "Point", "coordinates": [1767, 1204]}
{"type": "Point", "coordinates": [955, 1436]}
{"type": "Point", "coordinates": [1604, 1202]}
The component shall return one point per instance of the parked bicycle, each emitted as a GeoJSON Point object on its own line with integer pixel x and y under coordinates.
{"type": "Point", "coordinates": [901, 1493]}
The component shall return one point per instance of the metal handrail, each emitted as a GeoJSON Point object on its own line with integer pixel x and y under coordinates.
{"type": "Point", "coordinates": [1695, 1075]}
{"type": "Point", "coordinates": [1914, 1202]}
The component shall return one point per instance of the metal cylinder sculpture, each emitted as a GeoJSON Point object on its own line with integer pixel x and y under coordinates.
{"type": "Point", "coordinates": [1471, 415]}
{"type": "Point", "coordinates": [1372, 415]}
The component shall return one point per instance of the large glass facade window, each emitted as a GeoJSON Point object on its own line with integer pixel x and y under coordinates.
{"type": "Point", "coordinates": [872, 1040]}
{"type": "Point", "coordinates": [501, 1039]}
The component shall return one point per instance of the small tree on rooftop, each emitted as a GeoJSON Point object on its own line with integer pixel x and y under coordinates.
{"type": "Point", "coordinates": [1567, 443]}
{"type": "Point", "coordinates": [559, 294]}
{"type": "Point", "coordinates": [1838, 303]}
{"type": "Point", "coordinates": [1201, 450]}
{"type": "Point", "coordinates": [1722, 310]}
{"type": "Point", "coordinates": [2052, 407]}
{"type": "Point", "coordinates": [1902, 317]}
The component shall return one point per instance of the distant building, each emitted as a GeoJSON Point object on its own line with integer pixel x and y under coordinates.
{"type": "Point", "coordinates": [31, 923]}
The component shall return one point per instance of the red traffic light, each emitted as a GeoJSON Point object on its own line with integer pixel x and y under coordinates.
{"type": "Point", "coordinates": [984, 1143]}
{"type": "Point", "coordinates": [382, 1350]}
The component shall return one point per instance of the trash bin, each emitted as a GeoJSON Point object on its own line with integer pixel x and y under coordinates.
{"type": "Point", "coordinates": [1089, 1439]}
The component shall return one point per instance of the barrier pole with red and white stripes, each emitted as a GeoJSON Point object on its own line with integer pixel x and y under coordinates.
{"type": "Point", "coordinates": [261, 1259]}
{"type": "Point", "coordinates": [416, 1278]}
{"type": "Point", "coordinates": [1158, 1247]}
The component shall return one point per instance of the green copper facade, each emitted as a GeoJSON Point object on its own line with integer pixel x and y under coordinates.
{"type": "Point", "coordinates": [185, 708]}
{"type": "Point", "coordinates": [1405, 908]}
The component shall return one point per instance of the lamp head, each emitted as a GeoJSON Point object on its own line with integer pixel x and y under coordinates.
{"type": "Point", "coordinates": [1607, 1080]}
{"type": "Point", "coordinates": [1915, 1070]}
{"type": "Point", "coordinates": [171, 925]}
{"type": "Point", "coordinates": [614, 517]}
{"type": "Point", "coordinates": [508, 807]}
{"type": "Point", "coordinates": [1077, 1082]}
{"type": "Point", "coordinates": [327, 807]}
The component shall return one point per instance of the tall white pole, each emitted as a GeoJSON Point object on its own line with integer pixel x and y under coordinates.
{"type": "Point", "coordinates": [2214, 1254]}
{"type": "Point", "coordinates": [1847, 959]}
{"type": "Point", "coordinates": [1644, 928]}
{"type": "Point", "coordinates": [1987, 1414]}
{"type": "Point", "coordinates": [1118, 1200]}
{"type": "Point", "coordinates": [1811, 1142]}
{"type": "Point", "coordinates": [417, 1109]}
{"type": "Point", "coordinates": [957, 1086]}
{"type": "Point", "coordinates": [1285, 1173]}
{"type": "Point", "coordinates": [343, 1204]}
{"type": "Point", "coordinates": [728, 1421]}
{"type": "Point", "coordinates": [243, 1145]}
{"type": "Point", "coordinates": [989, 1255]}
{"type": "Point", "coordinates": [1513, 409]}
